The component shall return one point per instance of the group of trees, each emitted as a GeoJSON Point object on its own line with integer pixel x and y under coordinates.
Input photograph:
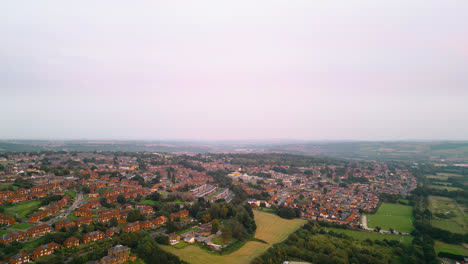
{"type": "Point", "coordinates": [314, 244]}
{"type": "Point", "coordinates": [288, 212]}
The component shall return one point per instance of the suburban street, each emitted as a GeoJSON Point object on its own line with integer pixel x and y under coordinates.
{"type": "Point", "coordinates": [69, 210]}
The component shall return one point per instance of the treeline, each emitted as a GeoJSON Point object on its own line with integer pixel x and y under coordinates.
{"type": "Point", "coordinates": [254, 159]}
{"type": "Point", "coordinates": [315, 245]}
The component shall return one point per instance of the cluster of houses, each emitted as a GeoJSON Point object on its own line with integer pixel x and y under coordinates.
{"type": "Point", "coordinates": [49, 210]}
{"type": "Point", "coordinates": [18, 235]}
{"type": "Point", "coordinates": [23, 195]}
{"type": "Point", "coordinates": [115, 255]}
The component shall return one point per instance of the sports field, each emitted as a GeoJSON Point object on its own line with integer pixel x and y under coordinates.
{"type": "Point", "coordinates": [396, 216]}
{"type": "Point", "coordinates": [270, 228]}
{"type": "Point", "coordinates": [359, 235]}
{"type": "Point", "coordinates": [448, 215]}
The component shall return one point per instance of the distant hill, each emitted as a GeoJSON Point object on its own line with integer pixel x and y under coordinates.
{"type": "Point", "coordinates": [386, 150]}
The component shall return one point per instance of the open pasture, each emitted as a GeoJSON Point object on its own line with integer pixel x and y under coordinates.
{"type": "Point", "coordinates": [360, 235]}
{"type": "Point", "coordinates": [448, 215]}
{"type": "Point", "coordinates": [396, 216]}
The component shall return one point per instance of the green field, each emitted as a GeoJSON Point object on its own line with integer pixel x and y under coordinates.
{"type": "Point", "coordinates": [22, 209]}
{"type": "Point", "coordinates": [150, 202]}
{"type": "Point", "coordinates": [450, 248]}
{"type": "Point", "coordinates": [71, 193]}
{"type": "Point", "coordinates": [270, 228]}
{"type": "Point", "coordinates": [448, 188]}
{"type": "Point", "coordinates": [6, 186]}
{"type": "Point", "coordinates": [443, 176]}
{"type": "Point", "coordinates": [359, 235]}
{"type": "Point", "coordinates": [5, 231]}
{"type": "Point", "coordinates": [72, 217]}
{"type": "Point", "coordinates": [21, 226]}
{"type": "Point", "coordinates": [396, 216]}
{"type": "Point", "coordinates": [454, 215]}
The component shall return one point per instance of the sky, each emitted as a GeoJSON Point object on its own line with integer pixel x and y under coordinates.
{"type": "Point", "coordinates": [234, 70]}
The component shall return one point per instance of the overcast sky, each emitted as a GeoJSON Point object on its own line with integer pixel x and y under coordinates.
{"type": "Point", "coordinates": [243, 69]}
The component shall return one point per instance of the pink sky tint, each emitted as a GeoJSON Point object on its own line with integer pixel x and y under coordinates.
{"type": "Point", "coordinates": [267, 69]}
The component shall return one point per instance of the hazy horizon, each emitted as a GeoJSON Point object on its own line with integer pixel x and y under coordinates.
{"type": "Point", "coordinates": [239, 70]}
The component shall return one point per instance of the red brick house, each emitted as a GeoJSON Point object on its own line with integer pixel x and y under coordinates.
{"type": "Point", "coordinates": [144, 208]}
{"type": "Point", "coordinates": [6, 219]}
{"type": "Point", "coordinates": [93, 195]}
{"type": "Point", "coordinates": [93, 236]}
{"type": "Point", "coordinates": [146, 224]}
{"type": "Point", "coordinates": [111, 231]}
{"type": "Point", "coordinates": [5, 194]}
{"type": "Point", "coordinates": [84, 220]}
{"type": "Point", "coordinates": [180, 214]}
{"type": "Point", "coordinates": [64, 223]}
{"type": "Point", "coordinates": [18, 198]}
{"type": "Point", "coordinates": [106, 216]}
{"type": "Point", "coordinates": [132, 227]}
{"type": "Point", "coordinates": [20, 258]}
{"type": "Point", "coordinates": [39, 230]}
{"type": "Point", "coordinates": [160, 220]}
{"type": "Point", "coordinates": [45, 250]}
{"type": "Point", "coordinates": [71, 241]}
{"type": "Point", "coordinates": [83, 212]}
{"type": "Point", "coordinates": [14, 236]}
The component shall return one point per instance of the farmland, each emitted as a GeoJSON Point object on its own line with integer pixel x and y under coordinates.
{"type": "Point", "coordinates": [270, 228]}
{"type": "Point", "coordinates": [396, 216]}
{"type": "Point", "coordinates": [450, 248]}
{"type": "Point", "coordinates": [447, 214]}
{"type": "Point", "coordinates": [443, 176]}
{"type": "Point", "coordinates": [359, 235]}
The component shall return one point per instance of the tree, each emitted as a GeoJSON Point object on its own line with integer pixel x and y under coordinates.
{"type": "Point", "coordinates": [121, 199]}
{"type": "Point", "coordinates": [90, 227]}
{"type": "Point", "coordinates": [134, 215]}
{"type": "Point", "coordinates": [206, 218]}
{"type": "Point", "coordinates": [226, 234]}
{"type": "Point", "coordinates": [113, 222]}
{"type": "Point", "coordinates": [287, 212]}
{"type": "Point", "coordinates": [214, 226]}
{"type": "Point", "coordinates": [377, 229]}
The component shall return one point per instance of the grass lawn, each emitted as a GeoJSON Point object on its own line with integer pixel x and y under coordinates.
{"type": "Point", "coordinates": [22, 209]}
{"type": "Point", "coordinates": [270, 228]}
{"type": "Point", "coordinates": [181, 244]}
{"type": "Point", "coordinates": [21, 226]}
{"type": "Point", "coordinates": [150, 202]}
{"type": "Point", "coordinates": [450, 248]}
{"type": "Point", "coordinates": [2, 232]}
{"type": "Point", "coordinates": [29, 246]}
{"type": "Point", "coordinates": [396, 216]}
{"type": "Point", "coordinates": [372, 236]}
{"type": "Point", "coordinates": [454, 220]}
{"type": "Point", "coordinates": [72, 217]}
{"type": "Point", "coordinates": [5, 186]}
{"type": "Point", "coordinates": [71, 193]}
